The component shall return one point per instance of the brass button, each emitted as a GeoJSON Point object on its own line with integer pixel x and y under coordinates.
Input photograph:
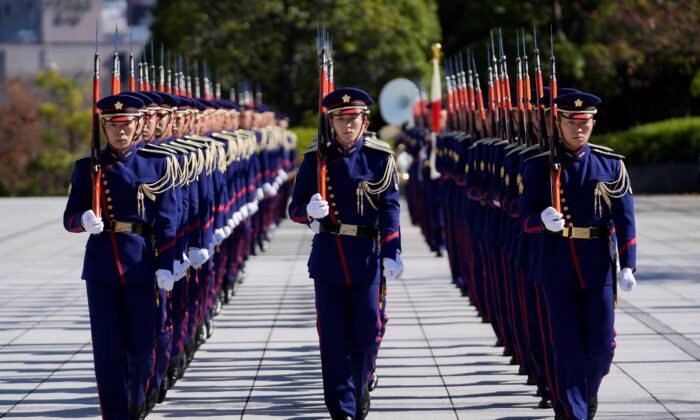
{"type": "Point", "coordinates": [107, 191]}
{"type": "Point", "coordinates": [333, 204]}
{"type": "Point", "coordinates": [338, 220]}
{"type": "Point", "coordinates": [568, 216]}
{"type": "Point", "coordinates": [566, 208]}
{"type": "Point", "coordinates": [103, 175]}
{"type": "Point", "coordinates": [329, 187]}
{"type": "Point", "coordinates": [335, 212]}
{"type": "Point", "coordinates": [104, 182]}
{"type": "Point", "coordinates": [332, 195]}
{"type": "Point", "coordinates": [110, 207]}
{"type": "Point", "coordinates": [328, 178]}
{"type": "Point", "coordinates": [563, 200]}
{"type": "Point", "coordinates": [109, 198]}
{"type": "Point", "coordinates": [111, 216]}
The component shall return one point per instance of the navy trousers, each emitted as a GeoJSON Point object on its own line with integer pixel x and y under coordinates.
{"type": "Point", "coordinates": [583, 338]}
{"type": "Point", "coordinates": [122, 320]}
{"type": "Point", "coordinates": [349, 326]}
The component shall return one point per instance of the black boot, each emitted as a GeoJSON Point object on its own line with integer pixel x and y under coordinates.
{"type": "Point", "coordinates": [362, 406]}
{"type": "Point", "coordinates": [190, 349]}
{"type": "Point", "coordinates": [174, 370]}
{"type": "Point", "coordinates": [544, 403]}
{"type": "Point", "coordinates": [373, 382]}
{"type": "Point", "coordinates": [209, 324]}
{"type": "Point", "coordinates": [138, 412]}
{"type": "Point", "coordinates": [163, 391]}
{"type": "Point", "coordinates": [592, 407]}
{"type": "Point", "coordinates": [200, 336]}
{"type": "Point", "coordinates": [151, 399]}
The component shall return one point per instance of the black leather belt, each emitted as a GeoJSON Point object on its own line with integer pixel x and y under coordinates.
{"type": "Point", "coordinates": [584, 232]}
{"type": "Point", "coordinates": [127, 227]}
{"type": "Point", "coordinates": [358, 231]}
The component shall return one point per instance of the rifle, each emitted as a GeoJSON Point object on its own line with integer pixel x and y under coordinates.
{"type": "Point", "coordinates": [505, 81]}
{"type": "Point", "coordinates": [479, 97]}
{"type": "Point", "coordinates": [554, 158]}
{"type": "Point", "coordinates": [153, 68]}
{"type": "Point", "coordinates": [543, 139]}
{"type": "Point", "coordinates": [324, 135]}
{"type": "Point", "coordinates": [529, 140]}
{"type": "Point", "coordinates": [115, 63]}
{"type": "Point", "coordinates": [161, 70]}
{"type": "Point", "coordinates": [492, 95]}
{"type": "Point", "coordinates": [132, 75]}
{"type": "Point", "coordinates": [95, 169]}
{"type": "Point", "coordinates": [520, 94]}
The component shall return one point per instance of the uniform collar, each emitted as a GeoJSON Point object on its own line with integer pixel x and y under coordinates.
{"type": "Point", "coordinates": [350, 150]}
{"type": "Point", "coordinates": [125, 154]}
{"type": "Point", "coordinates": [577, 156]}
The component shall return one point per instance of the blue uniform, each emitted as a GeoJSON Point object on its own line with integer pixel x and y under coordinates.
{"type": "Point", "coordinates": [576, 272]}
{"type": "Point", "coordinates": [346, 269]}
{"type": "Point", "coordinates": [119, 270]}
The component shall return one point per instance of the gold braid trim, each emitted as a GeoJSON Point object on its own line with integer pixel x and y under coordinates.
{"type": "Point", "coordinates": [608, 191]}
{"type": "Point", "coordinates": [365, 188]}
{"type": "Point", "coordinates": [166, 182]}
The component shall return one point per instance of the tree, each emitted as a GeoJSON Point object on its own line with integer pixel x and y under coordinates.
{"type": "Point", "coordinates": [273, 42]}
{"type": "Point", "coordinates": [20, 134]}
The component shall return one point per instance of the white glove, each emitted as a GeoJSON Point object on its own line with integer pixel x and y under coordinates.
{"type": "Point", "coordinates": [211, 250]}
{"type": "Point", "coordinates": [237, 217]}
{"type": "Point", "coordinates": [283, 175]}
{"type": "Point", "coordinates": [178, 270]}
{"type": "Point", "coordinates": [231, 223]}
{"type": "Point", "coordinates": [219, 236]}
{"type": "Point", "coordinates": [552, 219]}
{"type": "Point", "coordinates": [626, 280]}
{"type": "Point", "coordinates": [393, 269]}
{"type": "Point", "coordinates": [244, 211]}
{"type": "Point", "coordinates": [165, 279]}
{"type": "Point", "coordinates": [198, 257]}
{"type": "Point", "coordinates": [278, 181]}
{"type": "Point", "coordinates": [259, 194]}
{"type": "Point", "coordinates": [252, 207]}
{"type": "Point", "coordinates": [92, 224]}
{"type": "Point", "coordinates": [227, 230]}
{"type": "Point", "coordinates": [185, 261]}
{"type": "Point", "coordinates": [267, 189]}
{"type": "Point", "coordinates": [317, 207]}
{"type": "Point", "coordinates": [275, 187]}
{"type": "Point", "coordinates": [315, 226]}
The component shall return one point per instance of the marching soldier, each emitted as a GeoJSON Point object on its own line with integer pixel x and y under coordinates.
{"type": "Point", "coordinates": [571, 256]}
{"type": "Point", "coordinates": [356, 242]}
{"type": "Point", "coordinates": [127, 257]}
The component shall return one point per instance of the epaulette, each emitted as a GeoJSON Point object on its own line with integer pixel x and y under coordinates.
{"type": "Point", "coordinates": [527, 149]}
{"type": "Point", "coordinates": [374, 143]}
{"type": "Point", "coordinates": [155, 152]}
{"type": "Point", "coordinates": [517, 149]}
{"type": "Point", "coordinates": [607, 153]}
{"type": "Point", "coordinates": [600, 147]}
{"type": "Point", "coordinates": [537, 156]}
{"type": "Point", "coordinates": [312, 147]}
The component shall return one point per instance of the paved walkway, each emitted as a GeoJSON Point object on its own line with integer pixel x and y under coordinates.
{"type": "Point", "coordinates": [437, 360]}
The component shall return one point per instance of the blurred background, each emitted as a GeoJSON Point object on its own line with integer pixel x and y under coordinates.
{"type": "Point", "coordinates": [640, 56]}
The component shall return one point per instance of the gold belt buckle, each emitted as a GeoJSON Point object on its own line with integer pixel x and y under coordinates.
{"type": "Point", "coordinates": [122, 227]}
{"type": "Point", "coordinates": [350, 230]}
{"type": "Point", "coordinates": [580, 233]}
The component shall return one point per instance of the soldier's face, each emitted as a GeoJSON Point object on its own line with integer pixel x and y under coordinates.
{"type": "Point", "coordinates": [235, 120]}
{"type": "Point", "coordinates": [575, 132]}
{"type": "Point", "coordinates": [246, 119]}
{"type": "Point", "coordinates": [120, 134]}
{"type": "Point", "coordinates": [179, 121]}
{"type": "Point", "coordinates": [149, 127]}
{"type": "Point", "coordinates": [348, 128]}
{"type": "Point", "coordinates": [163, 124]}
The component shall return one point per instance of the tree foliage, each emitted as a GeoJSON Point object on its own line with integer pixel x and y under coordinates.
{"type": "Point", "coordinates": [640, 56]}
{"type": "Point", "coordinates": [273, 42]}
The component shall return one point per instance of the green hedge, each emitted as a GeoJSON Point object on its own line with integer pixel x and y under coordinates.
{"type": "Point", "coordinates": [670, 141]}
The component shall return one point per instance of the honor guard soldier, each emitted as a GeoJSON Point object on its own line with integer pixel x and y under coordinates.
{"type": "Point", "coordinates": [128, 256]}
{"type": "Point", "coordinates": [571, 253]}
{"type": "Point", "coordinates": [356, 243]}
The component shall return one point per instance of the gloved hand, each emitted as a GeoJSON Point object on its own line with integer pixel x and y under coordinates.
{"type": "Point", "coordinates": [552, 219]}
{"type": "Point", "coordinates": [165, 279]}
{"type": "Point", "coordinates": [227, 230]}
{"type": "Point", "coordinates": [197, 257]}
{"type": "Point", "coordinates": [219, 236]}
{"type": "Point", "coordinates": [278, 181]}
{"type": "Point", "coordinates": [244, 211]}
{"type": "Point", "coordinates": [212, 249]}
{"type": "Point", "coordinates": [252, 207]}
{"type": "Point", "coordinates": [231, 223]}
{"type": "Point", "coordinates": [393, 269]}
{"type": "Point", "coordinates": [259, 194]}
{"type": "Point", "coordinates": [178, 270]}
{"type": "Point", "coordinates": [275, 188]}
{"type": "Point", "coordinates": [283, 175]}
{"type": "Point", "coordinates": [625, 278]}
{"type": "Point", "coordinates": [92, 224]}
{"type": "Point", "coordinates": [237, 217]}
{"type": "Point", "coordinates": [317, 207]}
{"type": "Point", "coordinates": [315, 226]}
{"type": "Point", "coordinates": [185, 261]}
{"type": "Point", "coordinates": [267, 189]}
